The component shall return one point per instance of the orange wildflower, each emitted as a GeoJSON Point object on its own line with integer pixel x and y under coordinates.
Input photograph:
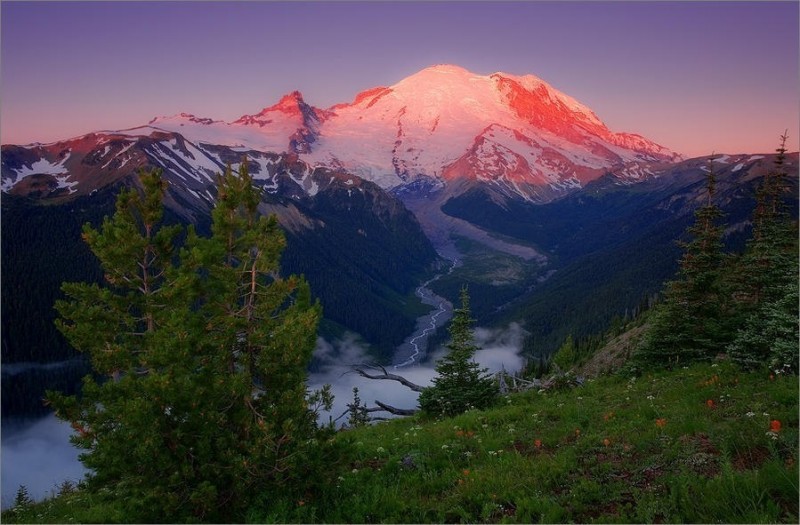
{"type": "Point", "coordinates": [606, 442]}
{"type": "Point", "coordinates": [710, 403]}
{"type": "Point", "coordinates": [772, 377]}
{"type": "Point", "coordinates": [459, 433]}
{"type": "Point", "coordinates": [577, 432]}
{"type": "Point", "coordinates": [465, 472]}
{"type": "Point", "coordinates": [470, 434]}
{"type": "Point", "coordinates": [537, 443]}
{"type": "Point", "coordinates": [775, 425]}
{"type": "Point", "coordinates": [661, 422]}
{"type": "Point", "coordinates": [301, 503]}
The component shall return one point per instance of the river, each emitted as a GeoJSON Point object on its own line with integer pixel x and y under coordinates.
{"type": "Point", "coordinates": [413, 350]}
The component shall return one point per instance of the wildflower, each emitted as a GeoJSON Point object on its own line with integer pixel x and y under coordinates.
{"type": "Point", "coordinates": [301, 503]}
{"type": "Point", "coordinates": [380, 450]}
{"type": "Point", "coordinates": [750, 414]}
{"type": "Point", "coordinates": [608, 416]}
{"type": "Point", "coordinates": [710, 403]}
{"type": "Point", "coordinates": [465, 472]}
{"type": "Point", "coordinates": [606, 442]}
{"type": "Point", "coordinates": [459, 433]}
{"type": "Point", "coordinates": [577, 432]}
{"type": "Point", "coordinates": [661, 422]}
{"type": "Point", "coordinates": [775, 425]}
{"type": "Point", "coordinates": [651, 397]}
{"type": "Point", "coordinates": [772, 377]}
{"type": "Point", "coordinates": [537, 443]}
{"type": "Point", "coordinates": [355, 471]}
{"type": "Point", "coordinates": [445, 447]}
{"type": "Point", "coordinates": [470, 434]}
{"type": "Point", "coordinates": [715, 365]}
{"type": "Point", "coordinates": [468, 454]}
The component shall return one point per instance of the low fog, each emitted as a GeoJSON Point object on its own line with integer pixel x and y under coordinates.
{"type": "Point", "coordinates": [39, 455]}
{"type": "Point", "coordinates": [500, 349]}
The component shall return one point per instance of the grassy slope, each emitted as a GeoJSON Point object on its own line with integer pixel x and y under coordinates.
{"type": "Point", "coordinates": [602, 457]}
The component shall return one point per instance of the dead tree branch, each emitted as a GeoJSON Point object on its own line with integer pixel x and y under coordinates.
{"type": "Point", "coordinates": [386, 375]}
{"type": "Point", "coordinates": [394, 410]}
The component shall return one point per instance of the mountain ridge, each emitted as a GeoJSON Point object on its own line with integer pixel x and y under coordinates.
{"type": "Point", "coordinates": [442, 123]}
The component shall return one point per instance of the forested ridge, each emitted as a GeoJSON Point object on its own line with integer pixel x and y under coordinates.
{"type": "Point", "coordinates": [41, 248]}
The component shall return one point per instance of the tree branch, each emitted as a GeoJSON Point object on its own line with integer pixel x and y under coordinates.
{"type": "Point", "coordinates": [392, 410]}
{"type": "Point", "coordinates": [386, 375]}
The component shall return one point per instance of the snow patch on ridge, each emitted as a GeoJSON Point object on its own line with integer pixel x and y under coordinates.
{"type": "Point", "coordinates": [40, 167]}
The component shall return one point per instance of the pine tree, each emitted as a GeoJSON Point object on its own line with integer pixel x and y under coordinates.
{"type": "Point", "coordinates": [202, 353]}
{"type": "Point", "coordinates": [766, 263]}
{"type": "Point", "coordinates": [357, 411]}
{"type": "Point", "coordinates": [765, 280]}
{"type": "Point", "coordinates": [566, 355]}
{"type": "Point", "coordinates": [22, 498]}
{"type": "Point", "coordinates": [691, 323]}
{"type": "Point", "coordinates": [461, 384]}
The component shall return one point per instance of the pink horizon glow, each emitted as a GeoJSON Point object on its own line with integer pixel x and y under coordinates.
{"type": "Point", "coordinates": [694, 77]}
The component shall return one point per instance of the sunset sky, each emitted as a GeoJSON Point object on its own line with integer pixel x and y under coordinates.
{"type": "Point", "coordinates": [696, 77]}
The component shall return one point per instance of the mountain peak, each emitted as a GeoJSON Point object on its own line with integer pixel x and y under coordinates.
{"type": "Point", "coordinates": [290, 100]}
{"type": "Point", "coordinates": [447, 68]}
{"type": "Point", "coordinates": [290, 108]}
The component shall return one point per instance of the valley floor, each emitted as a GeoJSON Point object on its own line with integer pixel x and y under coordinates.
{"type": "Point", "coordinates": [708, 443]}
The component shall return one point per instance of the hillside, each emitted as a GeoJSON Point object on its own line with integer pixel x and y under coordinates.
{"type": "Point", "coordinates": [707, 443]}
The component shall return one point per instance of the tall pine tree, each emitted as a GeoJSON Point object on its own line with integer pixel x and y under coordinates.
{"type": "Point", "coordinates": [765, 279]}
{"type": "Point", "coordinates": [691, 324]}
{"type": "Point", "coordinates": [461, 384]}
{"type": "Point", "coordinates": [202, 355]}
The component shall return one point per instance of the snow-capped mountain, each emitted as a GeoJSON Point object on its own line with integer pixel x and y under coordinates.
{"type": "Point", "coordinates": [447, 124]}
{"type": "Point", "coordinates": [443, 127]}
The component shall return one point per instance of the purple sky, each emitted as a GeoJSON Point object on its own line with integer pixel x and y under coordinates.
{"type": "Point", "coordinates": [695, 77]}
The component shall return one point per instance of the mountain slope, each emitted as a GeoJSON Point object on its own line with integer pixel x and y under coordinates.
{"type": "Point", "coordinates": [371, 249]}
{"type": "Point", "coordinates": [612, 245]}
